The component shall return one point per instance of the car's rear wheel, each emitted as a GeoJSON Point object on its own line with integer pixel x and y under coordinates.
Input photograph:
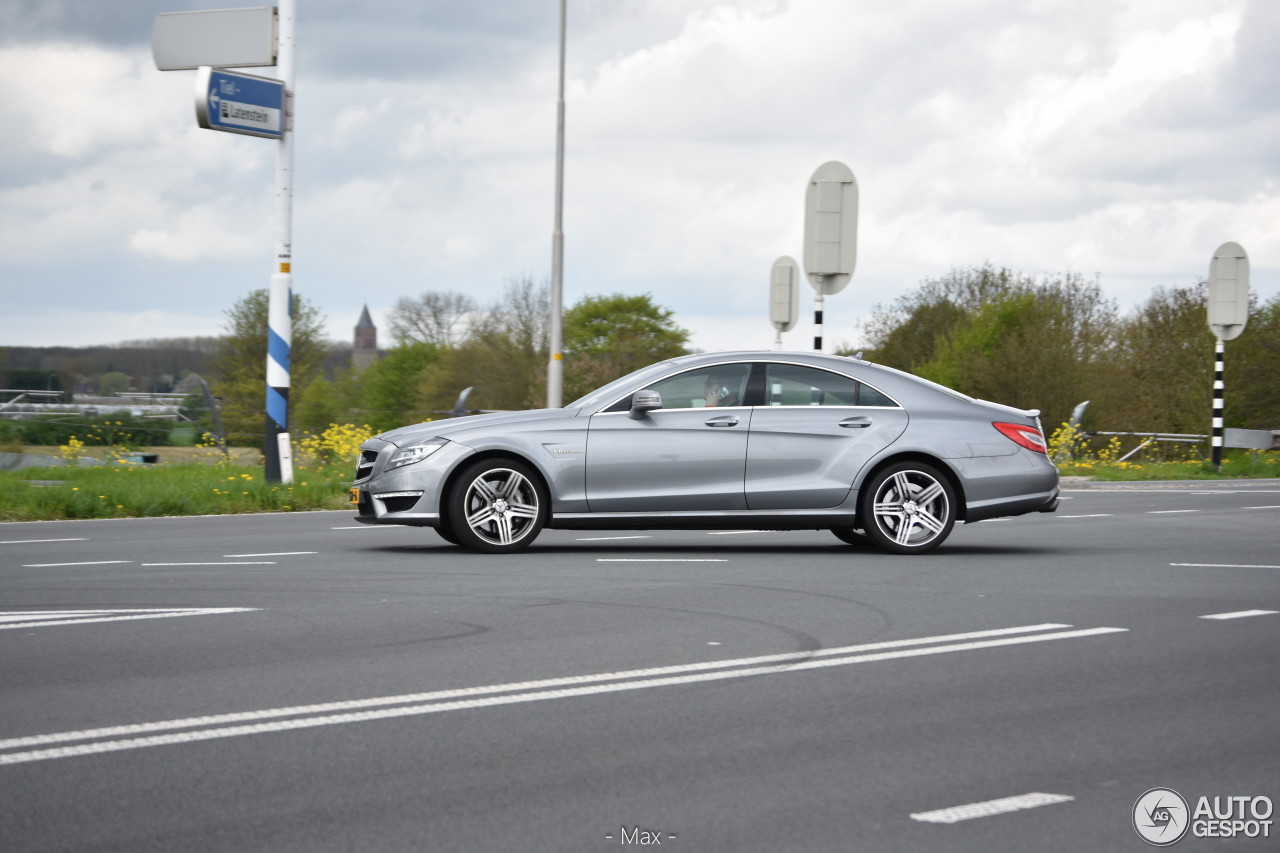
{"type": "Point", "coordinates": [497, 506]}
{"type": "Point", "coordinates": [908, 508]}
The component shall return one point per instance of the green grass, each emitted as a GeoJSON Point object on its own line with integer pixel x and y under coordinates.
{"type": "Point", "coordinates": [130, 491]}
{"type": "Point", "coordinates": [1235, 465]}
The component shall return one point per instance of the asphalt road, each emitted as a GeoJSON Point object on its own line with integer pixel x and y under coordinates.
{"type": "Point", "coordinates": [304, 683]}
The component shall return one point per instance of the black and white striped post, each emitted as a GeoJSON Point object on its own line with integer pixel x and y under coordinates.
{"type": "Point", "coordinates": [817, 322]}
{"type": "Point", "coordinates": [1220, 354]}
{"type": "Point", "coordinates": [1228, 314]}
{"type": "Point", "coordinates": [830, 235]}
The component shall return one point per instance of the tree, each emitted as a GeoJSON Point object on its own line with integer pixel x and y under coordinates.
{"type": "Point", "coordinates": [242, 361]}
{"type": "Point", "coordinates": [1253, 371]}
{"type": "Point", "coordinates": [609, 336]}
{"type": "Point", "coordinates": [999, 335]}
{"type": "Point", "coordinates": [111, 384]}
{"type": "Point", "coordinates": [432, 318]}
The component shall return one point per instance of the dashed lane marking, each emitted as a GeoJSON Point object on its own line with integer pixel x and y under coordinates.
{"type": "Point", "coordinates": [989, 808]}
{"type": "Point", "coordinates": [1240, 614]}
{"type": "Point", "coordinates": [47, 618]}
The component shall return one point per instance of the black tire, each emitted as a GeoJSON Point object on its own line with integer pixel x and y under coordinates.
{"type": "Point", "coordinates": [447, 534]}
{"type": "Point", "coordinates": [497, 506]}
{"type": "Point", "coordinates": [852, 536]}
{"type": "Point", "coordinates": [908, 508]}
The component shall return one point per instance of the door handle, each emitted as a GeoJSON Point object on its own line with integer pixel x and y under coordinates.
{"type": "Point", "coordinates": [723, 421]}
{"type": "Point", "coordinates": [860, 422]}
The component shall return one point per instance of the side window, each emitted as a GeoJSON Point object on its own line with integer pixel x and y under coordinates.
{"type": "Point", "coordinates": [721, 385]}
{"type": "Point", "coordinates": [868, 396]}
{"type": "Point", "coordinates": [796, 385]}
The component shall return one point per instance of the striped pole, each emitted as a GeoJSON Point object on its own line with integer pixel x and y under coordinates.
{"type": "Point", "coordinates": [1219, 363]}
{"type": "Point", "coordinates": [817, 322]}
{"type": "Point", "coordinates": [277, 456]}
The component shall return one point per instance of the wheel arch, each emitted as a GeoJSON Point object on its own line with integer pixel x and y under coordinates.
{"type": "Point", "coordinates": [451, 480]}
{"type": "Point", "coordinates": [919, 456]}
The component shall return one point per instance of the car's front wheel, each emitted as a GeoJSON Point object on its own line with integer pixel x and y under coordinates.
{"type": "Point", "coordinates": [497, 506]}
{"type": "Point", "coordinates": [908, 508]}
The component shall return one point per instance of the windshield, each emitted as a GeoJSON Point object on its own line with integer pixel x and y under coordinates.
{"type": "Point", "coordinates": [608, 393]}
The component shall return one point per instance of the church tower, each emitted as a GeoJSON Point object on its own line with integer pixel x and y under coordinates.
{"type": "Point", "coordinates": [364, 348]}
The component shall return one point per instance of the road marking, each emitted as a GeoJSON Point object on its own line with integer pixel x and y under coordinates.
{"type": "Point", "coordinates": [660, 560]}
{"type": "Point", "coordinates": [1239, 614]}
{"type": "Point", "coordinates": [29, 541]}
{"type": "Point", "coordinates": [1094, 515]}
{"type": "Point", "coordinates": [277, 554]}
{"type": "Point", "coordinates": [54, 565]}
{"type": "Point", "coordinates": [42, 619]}
{"type": "Point", "coordinates": [610, 538]}
{"type": "Point", "coordinates": [516, 693]}
{"type": "Point", "coordinates": [258, 563]}
{"type": "Point", "coordinates": [955, 814]}
{"type": "Point", "coordinates": [369, 527]}
{"type": "Point", "coordinates": [1169, 511]}
{"type": "Point", "coordinates": [734, 532]}
{"type": "Point", "coordinates": [1222, 566]}
{"type": "Point", "coordinates": [1261, 507]}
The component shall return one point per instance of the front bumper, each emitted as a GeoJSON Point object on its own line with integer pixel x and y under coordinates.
{"type": "Point", "coordinates": [409, 495]}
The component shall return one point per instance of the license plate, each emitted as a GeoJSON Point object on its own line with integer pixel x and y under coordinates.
{"type": "Point", "coordinates": [354, 496]}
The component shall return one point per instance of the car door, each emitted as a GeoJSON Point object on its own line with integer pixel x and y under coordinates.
{"type": "Point", "coordinates": [689, 455]}
{"type": "Point", "coordinates": [814, 433]}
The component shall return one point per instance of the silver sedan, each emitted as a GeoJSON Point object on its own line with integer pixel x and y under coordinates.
{"type": "Point", "coordinates": [744, 440]}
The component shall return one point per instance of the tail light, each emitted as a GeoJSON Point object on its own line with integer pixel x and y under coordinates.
{"type": "Point", "coordinates": [1023, 436]}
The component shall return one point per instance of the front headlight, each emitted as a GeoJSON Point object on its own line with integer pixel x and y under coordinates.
{"type": "Point", "coordinates": [414, 453]}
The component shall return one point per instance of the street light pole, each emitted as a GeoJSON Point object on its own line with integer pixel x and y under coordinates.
{"type": "Point", "coordinates": [555, 367]}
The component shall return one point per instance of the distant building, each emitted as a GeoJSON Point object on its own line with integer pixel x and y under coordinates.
{"type": "Point", "coordinates": [364, 348]}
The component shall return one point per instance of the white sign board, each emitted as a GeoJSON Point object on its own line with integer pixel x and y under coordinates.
{"type": "Point", "coordinates": [1228, 291]}
{"type": "Point", "coordinates": [831, 227]}
{"type": "Point", "coordinates": [784, 294]}
{"type": "Point", "coordinates": [221, 38]}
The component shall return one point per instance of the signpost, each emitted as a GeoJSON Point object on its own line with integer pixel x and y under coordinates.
{"type": "Point", "coordinates": [240, 103]}
{"type": "Point", "coordinates": [1228, 314]}
{"type": "Point", "coordinates": [830, 234]}
{"type": "Point", "coordinates": [784, 296]}
{"type": "Point", "coordinates": [254, 106]}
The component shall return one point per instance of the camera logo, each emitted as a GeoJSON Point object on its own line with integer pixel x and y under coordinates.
{"type": "Point", "coordinates": [1161, 817]}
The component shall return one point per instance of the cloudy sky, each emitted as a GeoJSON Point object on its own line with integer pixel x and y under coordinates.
{"type": "Point", "coordinates": [1125, 139]}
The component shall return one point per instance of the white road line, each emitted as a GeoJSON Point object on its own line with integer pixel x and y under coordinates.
{"type": "Point", "coordinates": [955, 814]}
{"type": "Point", "coordinates": [258, 563]}
{"type": "Point", "coordinates": [610, 538]}
{"type": "Point", "coordinates": [1169, 511]}
{"type": "Point", "coordinates": [734, 532]}
{"type": "Point", "coordinates": [1094, 515]}
{"type": "Point", "coordinates": [29, 541]}
{"type": "Point", "coordinates": [54, 565]}
{"type": "Point", "coordinates": [44, 620]}
{"type": "Point", "coordinates": [369, 527]}
{"type": "Point", "coordinates": [277, 554]}
{"type": "Point", "coordinates": [660, 560]}
{"type": "Point", "coordinates": [1239, 614]}
{"type": "Point", "coordinates": [1261, 507]}
{"type": "Point", "coordinates": [623, 681]}
{"type": "Point", "coordinates": [1222, 566]}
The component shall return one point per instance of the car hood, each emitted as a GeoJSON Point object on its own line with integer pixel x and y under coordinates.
{"type": "Point", "coordinates": [455, 428]}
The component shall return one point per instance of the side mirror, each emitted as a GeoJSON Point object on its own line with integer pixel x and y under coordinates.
{"type": "Point", "coordinates": [644, 402]}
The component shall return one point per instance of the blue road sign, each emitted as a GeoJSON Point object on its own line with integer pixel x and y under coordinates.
{"type": "Point", "coordinates": [240, 103]}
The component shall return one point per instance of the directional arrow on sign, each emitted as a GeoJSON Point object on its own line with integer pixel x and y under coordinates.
{"type": "Point", "coordinates": [45, 618]}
